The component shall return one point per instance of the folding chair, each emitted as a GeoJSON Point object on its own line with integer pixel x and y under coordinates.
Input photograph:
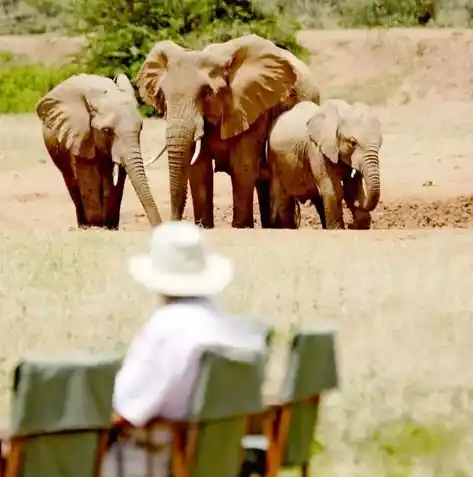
{"type": "Point", "coordinates": [254, 325]}
{"type": "Point", "coordinates": [267, 331]}
{"type": "Point", "coordinates": [228, 390]}
{"type": "Point", "coordinates": [311, 370]}
{"type": "Point", "coordinates": [60, 416]}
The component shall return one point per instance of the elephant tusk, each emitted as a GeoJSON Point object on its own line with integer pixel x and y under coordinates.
{"type": "Point", "coordinates": [198, 145]}
{"type": "Point", "coordinates": [152, 161]}
{"type": "Point", "coordinates": [357, 204]}
{"type": "Point", "coordinates": [115, 174]}
{"type": "Point", "coordinates": [353, 172]}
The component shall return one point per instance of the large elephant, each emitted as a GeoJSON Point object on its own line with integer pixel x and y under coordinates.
{"type": "Point", "coordinates": [91, 129]}
{"type": "Point", "coordinates": [324, 154]}
{"type": "Point", "coordinates": [219, 104]}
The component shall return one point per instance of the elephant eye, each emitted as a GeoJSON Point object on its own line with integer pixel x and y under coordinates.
{"type": "Point", "coordinates": [353, 142]}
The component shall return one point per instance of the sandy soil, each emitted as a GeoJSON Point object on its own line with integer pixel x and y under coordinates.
{"type": "Point", "coordinates": [426, 113]}
{"type": "Point", "coordinates": [401, 300]}
{"type": "Point", "coordinates": [425, 182]}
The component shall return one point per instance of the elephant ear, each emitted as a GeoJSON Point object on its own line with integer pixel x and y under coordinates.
{"type": "Point", "coordinates": [306, 87]}
{"type": "Point", "coordinates": [323, 130]}
{"type": "Point", "coordinates": [64, 111]}
{"type": "Point", "coordinates": [259, 77]}
{"type": "Point", "coordinates": [153, 71]}
{"type": "Point", "coordinates": [370, 118]}
{"type": "Point", "coordinates": [124, 84]}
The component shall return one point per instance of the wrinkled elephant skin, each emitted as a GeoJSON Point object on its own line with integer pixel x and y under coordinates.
{"type": "Point", "coordinates": [325, 154]}
{"type": "Point", "coordinates": [219, 104]}
{"type": "Point", "coordinates": [91, 129]}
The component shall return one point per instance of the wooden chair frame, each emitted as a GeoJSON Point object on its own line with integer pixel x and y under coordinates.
{"type": "Point", "coordinates": [184, 438]}
{"type": "Point", "coordinates": [274, 425]}
{"type": "Point", "coordinates": [12, 449]}
{"type": "Point", "coordinates": [273, 422]}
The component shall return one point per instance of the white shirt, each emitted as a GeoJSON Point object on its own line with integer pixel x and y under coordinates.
{"type": "Point", "coordinates": [157, 376]}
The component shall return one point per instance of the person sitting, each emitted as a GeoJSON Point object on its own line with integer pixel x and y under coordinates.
{"type": "Point", "coordinates": [162, 362]}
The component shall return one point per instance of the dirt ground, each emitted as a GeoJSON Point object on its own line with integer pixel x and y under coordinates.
{"type": "Point", "coordinates": [400, 300]}
{"type": "Point", "coordinates": [422, 80]}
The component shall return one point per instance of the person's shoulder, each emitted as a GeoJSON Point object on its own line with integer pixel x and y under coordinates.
{"type": "Point", "coordinates": [173, 317]}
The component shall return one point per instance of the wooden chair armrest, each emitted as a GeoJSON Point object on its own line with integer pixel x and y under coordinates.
{"type": "Point", "coordinates": [4, 449]}
{"type": "Point", "coordinates": [118, 421]}
{"type": "Point", "coordinates": [256, 423]}
{"type": "Point", "coordinates": [2, 457]}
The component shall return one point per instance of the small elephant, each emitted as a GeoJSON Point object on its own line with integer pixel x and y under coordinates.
{"type": "Point", "coordinates": [219, 104]}
{"type": "Point", "coordinates": [91, 129]}
{"type": "Point", "coordinates": [324, 154]}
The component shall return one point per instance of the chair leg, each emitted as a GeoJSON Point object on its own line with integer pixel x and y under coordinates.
{"type": "Point", "coordinates": [305, 469]}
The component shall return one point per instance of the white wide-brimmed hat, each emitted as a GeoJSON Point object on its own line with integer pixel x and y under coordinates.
{"type": "Point", "coordinates": [178, 264]}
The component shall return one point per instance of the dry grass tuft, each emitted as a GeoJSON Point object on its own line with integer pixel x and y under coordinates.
{"type": "Point", "coordinates": [401, 300]}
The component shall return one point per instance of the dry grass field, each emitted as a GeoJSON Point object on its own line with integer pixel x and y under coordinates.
{"type": "Point", "coordinates": [400, 295]}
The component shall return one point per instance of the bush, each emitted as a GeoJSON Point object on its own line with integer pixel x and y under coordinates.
{"type": "Point", "coordinates": [378, 13]}
{"type": "Point", "coordinates": [387, 13]}
{"type": "Point", "coordinates": [20, 17]}
{"type": "Point", "coordinates": [22, 85]}
{"type": "Point", "coordinates": [121, 33]}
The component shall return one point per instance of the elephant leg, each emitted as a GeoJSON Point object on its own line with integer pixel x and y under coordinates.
{"type": "Point", "coordinates": [243, 167]}
{"type": "Point", "coordinates": [319, 207]}
{"type": "Point", "coordinates": [332, 195]}
{"type": "Point", "coordinates": [284, 208]}
{"type": "Point", "coordinates": [293, 212]}
{"type": "Point", "coordinates": [201, 180]}
{"type": "Point", "coordinates": [287, 216]}
{"type": "Point", "coordinates": [353, 192]}
{"type": "Point", "coordinates": [243, 184]}
{"type": "Point", "coordinates": [112, 194]}
{"type": "Point", "coordinates": [62, 160]}
{"type": "Point", "coordinates": [245, 155]}
{"type": "Point", "coordinates": [263, 190]}
{"type": "Point", "coordinates": [74, 192]}
{"type": "Point", "coordinates": [91, 190]}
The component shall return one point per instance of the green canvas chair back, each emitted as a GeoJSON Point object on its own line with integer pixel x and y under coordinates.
{"type": "Point", "coordinates": [227, 391]}
{"type": "Point", "coordinates": [253, 325]}
{"type": "Point", "coordinates": [50, 397]}
{"type": "Point", "coordinates": [311, 370]}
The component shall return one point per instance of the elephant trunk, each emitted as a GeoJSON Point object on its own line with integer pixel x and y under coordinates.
{"type": "Point", "coordinates": [370, 173]}
{"type": "Point", "coordinates": [180, 136]}
{"type": "Point", "coordinates": [134, 167]}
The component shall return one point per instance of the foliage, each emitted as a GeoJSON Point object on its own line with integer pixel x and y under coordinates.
{"type": "Point", "coordinates": [121, 33]}
{"type": "Point", "coordinates": [387, 13]}
{"type": "Point", "coordinates": [33, 16]}
{"type": "Point", "coordinates": [22, 85]}
{"type": "Point", "coordinates": [37, 16]}
{"type": "Point", "coordinates": [378, 13]}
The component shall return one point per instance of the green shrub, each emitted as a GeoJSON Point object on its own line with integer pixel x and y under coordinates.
{"type": "Point", "coordinates": [22, 85]}
{"type": "Point", "coordinates": [387, 13]}
{"type": "Point", "coordinates": [378, 13]}
{"type": "Point", "coordinates": [37, 16]}
{"type": "Point", "coordinates": [121, 33]}
{"type": "Point", "coordinates": [20, 17]}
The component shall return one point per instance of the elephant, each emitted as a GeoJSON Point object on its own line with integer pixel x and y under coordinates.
{"type": "Point", "coordinates": [91, 128]}
{"type": "Point", "coordinates": [324, 153]}
{"type": "Point", "coordinates": [219, 103]}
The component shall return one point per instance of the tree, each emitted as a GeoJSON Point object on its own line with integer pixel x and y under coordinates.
{"type": "Point", "coordinates": [121, 32]}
